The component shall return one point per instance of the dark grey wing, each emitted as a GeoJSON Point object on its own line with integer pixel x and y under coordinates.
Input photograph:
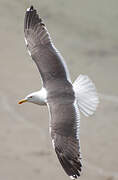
{"type": "Point", "coordinates": [48, 60]}
{"type": "Point", "coordinates": [64, 127]}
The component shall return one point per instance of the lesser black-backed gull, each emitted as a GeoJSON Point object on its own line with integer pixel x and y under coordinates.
{"type": "Point", "coordinates": [64, 99]}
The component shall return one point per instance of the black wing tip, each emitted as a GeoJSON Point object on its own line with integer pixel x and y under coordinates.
{"type": "Point", "coordinates": [71, 166]}
{"type": "Point", "coordinates": [31, 8]}
{"type": "Point", "coordinates": [31, 18]}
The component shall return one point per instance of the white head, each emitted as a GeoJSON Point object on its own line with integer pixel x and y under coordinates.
{"type": "Point", "coordinates": [39, 97]}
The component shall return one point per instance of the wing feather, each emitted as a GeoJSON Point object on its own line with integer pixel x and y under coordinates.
{"type": "Point", "coordinates": [47, 58]}
{"type": "Point", "coordinates": [65, 122]}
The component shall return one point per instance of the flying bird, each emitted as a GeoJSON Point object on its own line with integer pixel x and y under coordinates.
{"type": "Point", "coordinates": [63, 98]}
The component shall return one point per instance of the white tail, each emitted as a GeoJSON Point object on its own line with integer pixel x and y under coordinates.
{"type": "Point", "coordinates": [86, 95]}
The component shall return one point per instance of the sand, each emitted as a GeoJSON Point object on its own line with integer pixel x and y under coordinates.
{"type": "Point", "coordinates": [86, 33]}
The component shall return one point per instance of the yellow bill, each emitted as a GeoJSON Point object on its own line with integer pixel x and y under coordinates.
{"type": "Point", "coordinates": [22, 101]}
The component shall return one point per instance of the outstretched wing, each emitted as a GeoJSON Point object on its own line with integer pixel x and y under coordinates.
{"type": "Point", "coordinates": [48, 60]}
{"type": "Point", "coordinates": [64, 126]}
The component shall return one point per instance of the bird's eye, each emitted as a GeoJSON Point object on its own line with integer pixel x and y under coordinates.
{"type": "Point", "coordinates": [30, 96]}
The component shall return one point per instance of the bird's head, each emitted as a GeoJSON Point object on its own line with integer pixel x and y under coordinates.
{"type": "Point", "coordinates": [29, 98]}
{"type": "Point", "coordinates": [38, 97]}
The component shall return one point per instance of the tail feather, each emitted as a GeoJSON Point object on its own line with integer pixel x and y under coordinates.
{"type": "Point", "coordinates": [86, 95]}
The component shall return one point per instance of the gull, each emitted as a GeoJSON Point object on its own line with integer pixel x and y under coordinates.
{"type": "Point", "coordinates": [63, 98]}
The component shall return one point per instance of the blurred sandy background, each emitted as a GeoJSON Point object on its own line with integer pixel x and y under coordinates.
{"type": "Point", "coordinates": [86, 33]}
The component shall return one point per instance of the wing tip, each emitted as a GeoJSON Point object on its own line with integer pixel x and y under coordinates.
{"type": "Point", "coordinates": [71, 166]}
{"type": "Point", "coordinates": [31, 8]}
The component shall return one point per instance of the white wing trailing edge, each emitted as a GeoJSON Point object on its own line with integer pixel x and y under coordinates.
{"type": "Point", "coordinates": [86, 95]}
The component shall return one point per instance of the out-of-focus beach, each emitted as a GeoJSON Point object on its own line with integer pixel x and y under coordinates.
{"type": "Point", "coordinates": [86, 34]}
